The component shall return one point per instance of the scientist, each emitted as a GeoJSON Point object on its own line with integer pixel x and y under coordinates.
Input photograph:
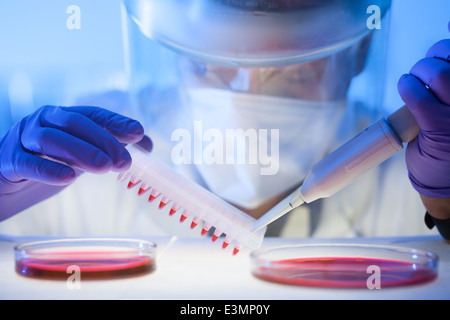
{"type": "Point", "coordinates": [48, 150]}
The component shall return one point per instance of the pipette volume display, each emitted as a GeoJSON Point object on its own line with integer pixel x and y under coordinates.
{"type": "Point", "coordinates": [181, 195]}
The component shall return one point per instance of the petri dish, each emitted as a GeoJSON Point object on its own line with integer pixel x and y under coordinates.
{"type": "Point", "coordinates": [344, 265]}
{"type": "Point", "coordinates": [93, 258]}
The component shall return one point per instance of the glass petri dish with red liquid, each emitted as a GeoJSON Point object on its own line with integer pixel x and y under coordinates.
{"type": "Point", "coordinates": [344, 265]}
{"type": "Point", "coordinates": [93, 258]}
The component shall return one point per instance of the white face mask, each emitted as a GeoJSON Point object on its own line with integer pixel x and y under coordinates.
{"type": "Point", "coordinates": [249, 148]}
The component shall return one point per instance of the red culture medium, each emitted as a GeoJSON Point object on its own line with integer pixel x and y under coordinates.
{"type": "Point", "coordinates": [93, 258]}
{"type": "Point", "coordinates": [89, 267]}
{"type": "Point", "coordinates": [342, 272]}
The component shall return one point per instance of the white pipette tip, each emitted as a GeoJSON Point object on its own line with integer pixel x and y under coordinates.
{"type": "Point", "coordinates": [287, 204]}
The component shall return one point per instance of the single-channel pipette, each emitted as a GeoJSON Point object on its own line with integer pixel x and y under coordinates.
{"type": "Point", "coordinates": [368, 149]}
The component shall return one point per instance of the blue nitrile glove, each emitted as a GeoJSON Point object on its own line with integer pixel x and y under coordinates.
{"type": "Point", "coordinates": [87, 139]}
{"type": "Point", "coordinates": [426, 92]}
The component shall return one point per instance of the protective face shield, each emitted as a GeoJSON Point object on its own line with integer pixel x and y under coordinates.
{"type": "Point", "coordinates": [251, 92]}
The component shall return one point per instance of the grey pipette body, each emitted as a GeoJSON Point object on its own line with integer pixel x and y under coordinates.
{"type": "Point", "coordinates": [367, 150]}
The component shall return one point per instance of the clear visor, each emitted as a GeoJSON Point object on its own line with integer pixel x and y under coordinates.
{"type": "Point", "coordinates": [255, 33]}
{"type": "Point", "coordinates": [252, 67]}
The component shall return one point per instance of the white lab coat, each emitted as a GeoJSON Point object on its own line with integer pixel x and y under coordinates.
{"type": "Point", "coordinates": [380, 203]}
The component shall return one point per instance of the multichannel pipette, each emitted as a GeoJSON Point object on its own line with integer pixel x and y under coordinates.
{"type": "Point", "coordinates": [171, 190]}
{"type": "Point", "coordinates": [177, 194]}
{"type": "Point", "coordinates": [368, 149]}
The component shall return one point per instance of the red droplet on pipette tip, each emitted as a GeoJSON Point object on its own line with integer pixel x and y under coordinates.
{"type": "Point", "coordinates": [143, 189]}
{"type": "Point", "coordinates": [133, 181]}
{"type": "Point", "coordinates": [153, 195]}
{"type": "Point", "coordinates": [163, 202]}
{"type": "Point", "coordinates": [225, 243]}
{"type": "Point", "coordinates": [205, 229]}
{"type": "Point", "coordinates": [216, 236]}
{"type": "Point", "coordinates": [174, 209]}
{"type": "Point", "coordinates": [194, 223]}
{"type": "Point", "coordinates": [184, 216]}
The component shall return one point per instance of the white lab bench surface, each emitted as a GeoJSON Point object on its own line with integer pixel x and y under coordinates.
{"type": "Point", "coordinates": [197, 269]}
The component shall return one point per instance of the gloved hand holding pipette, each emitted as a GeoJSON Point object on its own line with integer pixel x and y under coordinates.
{"type": "Point", "coordinates": [87, 139]}
{"type": "Point", "coordinates": [426, 91]}
{"type": "Point", "coordinates": [277, 92]}
{"type": "Point", "coordinates": [427, 96]}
